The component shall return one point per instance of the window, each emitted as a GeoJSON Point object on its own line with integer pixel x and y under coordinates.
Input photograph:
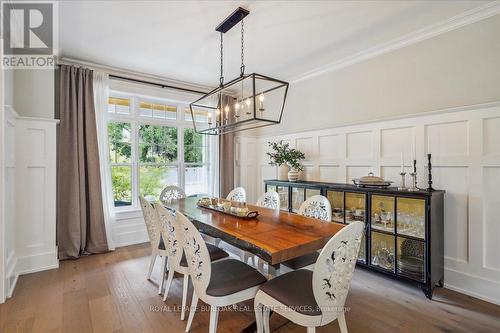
{"type": "Point", "coordinates": [197, 167]}
{"type": "Point", "coordinates": [152, 145]}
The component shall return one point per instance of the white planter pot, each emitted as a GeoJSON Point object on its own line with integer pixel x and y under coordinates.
{"type": "Point", "coordinates": [283, 172]}
{"type": "Point", "coordinates": [293, 175]}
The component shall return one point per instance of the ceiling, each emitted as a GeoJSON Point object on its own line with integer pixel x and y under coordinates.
{"type": "Point", "coordinates": [285, 39]}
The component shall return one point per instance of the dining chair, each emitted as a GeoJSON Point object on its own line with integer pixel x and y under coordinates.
{"type": "Point", "coordinates": [218, 284]}
{"type": "Point", "coordinates": [323, 291]}
{"type": "Point", "coordinates": [270, 199]}
{"type": "Point", "coordinates": [317, 207]}
{"type": "Point", "coordinates": [237, 194]}
{"type": "Point", "coordinates": [171, 193]}
{"type": "Point", "coordinates": [155, 238]}
{"type": "Point", "coordinates": [177, 262]}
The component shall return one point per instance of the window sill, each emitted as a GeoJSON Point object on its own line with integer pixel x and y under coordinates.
{"type": "Point", "coordinates": [128, 214]}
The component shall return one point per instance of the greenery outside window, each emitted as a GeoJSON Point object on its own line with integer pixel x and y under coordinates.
{"type": "Point", "coordinates": [151, 146]}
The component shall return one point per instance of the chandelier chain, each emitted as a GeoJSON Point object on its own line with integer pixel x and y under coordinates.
{"type": "Point", "coordinates": [242, 67]}
{"type": "Point", "coordinates": [221, 79]}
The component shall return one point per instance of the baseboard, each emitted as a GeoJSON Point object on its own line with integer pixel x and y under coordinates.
{"type": "Point", "coordinates": [12, 274]}
{"type": "Point", "coordinates": [472, 285]}
{"type": "Point", "coordinates": [37, 263]}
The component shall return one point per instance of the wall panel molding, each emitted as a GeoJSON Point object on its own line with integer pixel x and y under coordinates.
{"type": "Point", "coordinates": [466, 163]}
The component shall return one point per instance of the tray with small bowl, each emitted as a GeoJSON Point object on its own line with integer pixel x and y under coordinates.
{"type": "Point", "coordinates": [371, 181]}
{"type": "Point", "coordinates": [236, 209]}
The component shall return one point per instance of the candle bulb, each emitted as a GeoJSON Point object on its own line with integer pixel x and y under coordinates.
{"type": "Point", "coordinates": [226, 109]}
{"type": "Point", "coordinates": [209, 119]}
{"type": "Point", "coordinates": [261, 100]}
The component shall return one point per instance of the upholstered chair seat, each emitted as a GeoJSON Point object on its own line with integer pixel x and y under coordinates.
{"type": "Point", "coordinates": [231, 276]}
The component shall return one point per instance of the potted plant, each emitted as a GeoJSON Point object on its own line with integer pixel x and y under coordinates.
{"type": "Point", "coordinates": [287, 159]}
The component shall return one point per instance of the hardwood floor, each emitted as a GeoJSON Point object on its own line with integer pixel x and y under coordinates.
{"type": "Point", "coordinates": [109, 293]}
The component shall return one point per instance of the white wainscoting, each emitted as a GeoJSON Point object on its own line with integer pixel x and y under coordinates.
{"type": "Point", "coordinates": [35, 229]}
{"type": "Point", "coordinates": [465, 148]}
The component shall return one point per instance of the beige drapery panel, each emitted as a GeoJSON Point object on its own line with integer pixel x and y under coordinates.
{"type": "Point", "coordinates": [80, 217]}
{"type": "Point", "coordinates": [226, 164]}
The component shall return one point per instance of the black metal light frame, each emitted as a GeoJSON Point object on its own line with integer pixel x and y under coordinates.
{"type": "Point", "coordinates": [223, 127]}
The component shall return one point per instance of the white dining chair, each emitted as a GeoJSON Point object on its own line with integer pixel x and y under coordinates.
{"type": "Point", "coordinates": [171, 193]}
{"type": "Point", "coordinates": [218, 284]}
{"type": "Point", "coordinates": [156, 240]}
{"type": "Point", "coordinates": [237, 194]}
{"type": "Point", "coordinates": [170, 232]}
{"type": "Point", "coordinates": [270, 199]}
{"type": "Point", "coordinates": [317, 207]}
{"type": "Point", "coordinates": [323, 291]}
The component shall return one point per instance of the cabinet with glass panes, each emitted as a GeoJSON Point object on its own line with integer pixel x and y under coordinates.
{"type": "Point", "coordinates": [404, 230]}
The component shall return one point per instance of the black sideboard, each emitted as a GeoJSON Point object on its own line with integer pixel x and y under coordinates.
{"type": "Point", "coordinates": [404, 236]}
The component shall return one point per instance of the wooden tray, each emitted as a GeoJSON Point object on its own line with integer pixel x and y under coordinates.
{"type": "Point", "coordinates": [250, 215]}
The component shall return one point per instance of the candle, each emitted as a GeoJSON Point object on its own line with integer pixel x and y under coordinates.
{"type": "Point", "coordinates": [210, 119]}
{"type": "Point", "coordinates": [227, 111]}
{"type": "Point", "coordinates": [413, 154]}
{"type": "Point", "coordinates": [402, 163]}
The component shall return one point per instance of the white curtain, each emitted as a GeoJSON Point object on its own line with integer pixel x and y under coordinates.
{"type": "Point", "coordinates": [101, 93]}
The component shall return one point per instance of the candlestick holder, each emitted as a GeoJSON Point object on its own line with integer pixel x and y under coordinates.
{"type": "Point", "coordinates": [429, 168]}
{"type": "Point", "coordinates": [403, 180]}
{"type": "Point", "coordinates": [413, 187]}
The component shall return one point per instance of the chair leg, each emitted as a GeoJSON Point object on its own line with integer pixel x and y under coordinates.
{"type": "Point", "coordinates": [342, 322]}
{"type": "Point", "coordinates": [192, 311]}
{"type": "Point", "coordinates": [266, 312]}
{"type": "Point", "coordinates": [217, 242]}
{"type": "Point", "coordinates": [259, 317]}
{"type": "Point", "coordinates": [184, 295]}
{"type": "Point", "coordinates": [162, 274]}
{"type": "Point", "coordinates": [311, 330]}
{"type": "Point", "coordinates": [169, 283]}
{"type": "Point", "coordinates": [214, 317]}
{"type": "Point", "coordinates": [151, 265]}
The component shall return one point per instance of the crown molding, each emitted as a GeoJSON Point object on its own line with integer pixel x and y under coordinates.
{"type": "Point", "coordinates": [132, 74]}
{"type": "Point", "coordinates": [468, 17]}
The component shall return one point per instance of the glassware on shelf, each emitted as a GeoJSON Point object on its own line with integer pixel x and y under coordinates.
{"type": "Point", "coordinates": [271, 188]}
{"type": "Point", "coordinates": [355, 207]}
{"type": "Point", "coordinates": [382, 214]}
{"type": "Point", "coordinates": [382, 251]}
{"type": "Point", "coordinates": [411, 258]}
{"type": "Point", "coordinates": [283, 193]}
{"type": "Point", "coordinates": [362, 251]}
{"type": "Point", "coordinates": [337, 202]}
{"type": "Point", "coordinates": [297, 198]}
{"type": "Point", "coordinates": [411, 217]}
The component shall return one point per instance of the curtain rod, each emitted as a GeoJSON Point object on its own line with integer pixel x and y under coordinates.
{"type": "Point", "coordinates": [116, 73]}
{"type": "Point", "coordinates": [162, 85]}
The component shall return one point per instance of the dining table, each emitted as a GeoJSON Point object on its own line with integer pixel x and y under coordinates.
{"type": "Point", "coordinates": [274, 236]}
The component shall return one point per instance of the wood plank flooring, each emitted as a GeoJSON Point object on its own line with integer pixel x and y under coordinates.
{"type": "Point", "coordinates": [109, 293]}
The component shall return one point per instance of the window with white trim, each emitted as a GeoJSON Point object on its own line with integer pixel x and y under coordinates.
{"type": "Point", "coordinates": [152, 144]}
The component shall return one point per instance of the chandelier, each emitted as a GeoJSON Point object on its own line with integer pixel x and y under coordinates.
{"type": "Point", "coordinates": [246, 102]}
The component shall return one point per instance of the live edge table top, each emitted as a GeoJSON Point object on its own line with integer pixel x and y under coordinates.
{"type": "Point", "coordinates": [275, 236]}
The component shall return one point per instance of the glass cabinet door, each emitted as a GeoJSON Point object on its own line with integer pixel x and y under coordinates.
{"type": "Point", "coordinates": [411, 258]}
{"type": "Point", "coordinates": [411, 217]}
{"type": "Point", "coordinates": [312, 192]}
{"type": "Point", "coordinates": [354, 207]}
{"type": "Point", "coordinates": [297, 198]}
{"type": "Point", "coordinates": [355, 210]}
{"type": "Point", "coordinates": [337, 202]}
{"type": "Point", "coordinates": [382, 213]}
{"type": "Point", "coordinates": [271, 188]}
{"type": "Point", "coordinates": [382, 251]}
{"type": "Point", "coordinates": [283, 193]}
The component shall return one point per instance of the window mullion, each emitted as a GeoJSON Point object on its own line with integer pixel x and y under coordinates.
{"type": "Point", "coordinates": [180, 156]}
{"type": "Point", "coordinates": [135, 158]}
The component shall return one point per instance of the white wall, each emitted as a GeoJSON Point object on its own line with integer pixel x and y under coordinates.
{"type": "Point", "coordinates": [466, 163]}
{"type": "Point", "coordinates": [457, 68]}
{"type": "Point", "coordinates": [34, 93]}
{"type": "Point", "coordinates": [9, 87]}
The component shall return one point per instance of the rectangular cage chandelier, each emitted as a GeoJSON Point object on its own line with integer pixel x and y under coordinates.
{"type": "Point", "coordinates": [246, 102]}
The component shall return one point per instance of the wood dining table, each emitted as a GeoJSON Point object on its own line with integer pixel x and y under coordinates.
{"type": "Point", "coordinates": [274, 236]}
